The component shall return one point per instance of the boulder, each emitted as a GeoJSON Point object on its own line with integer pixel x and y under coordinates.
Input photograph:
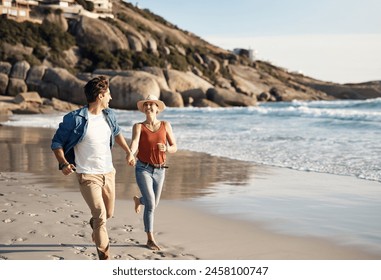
{"type": "Point", "coordinates": [225, 98]}
{"type": "Point", "coordinates": [20, 70]}
{"type": "Point", "coordinates": [48, 90]}
{"type": "Point", "coordinates": [68, 86]}
{"type": "Point", "coordinates": [15, 86]}
{"type": "Point", "coordinates": [197, 57]}
{"type": "Point", "coordinates": [31, 96]}
{"type": "Point", "coordinates": [7, 105]}
{"type": "Point", "coordinates": [17, 51]}
{"type": "Point", "coordinates": [192, 95]}
{"type": "Point", "coordinates": [5, 68]}
{"type": "Point", "coordinates": [100, 34]}
{"type": "Point", "coordinates": [204, 103]}
{"type": "Point", "coordinates": [264, 96]}
{"type": "Point", "coordinates": [135, 43]}
{"type": "Point", "coordinates": [183, 81]}
{"type": "Point", "coordinates": [34, 78]}
{"type": "Point", "coordinates": [151, 45]}
{"type": "Point", "coordinates": [3, 83]}
{"type": "Point", "coordinates": [197, 71]}
{"type": "Point", "coordinates": [58, 19]}
{"type": "Point", "coordinates": [172, 99]}
{"type": "Point", "coordinates": [224, 83]}
{"type": "Point", "coordinates": [159, 76]}
{"type": "Point", "coordinates": [212, 63]}
{"type": "Point", "coordinates": [181, 50]}
{"type": "Point", "coordinates": [63, 106]}
{"type": "Point", "coordinates": [126, 91]}
{"type": "Point", "coordinates": [30, 108]}
{"type": "Point", "coordinates": [149, 72]}
{"type": "Point", "coordinates": [247, 80]}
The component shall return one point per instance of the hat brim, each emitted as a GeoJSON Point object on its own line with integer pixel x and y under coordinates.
{"type": "Point", "coordinates": [160, 104]}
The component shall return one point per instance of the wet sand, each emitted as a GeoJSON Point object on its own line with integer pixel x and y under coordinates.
{"type": "Point", "coordinates": [43, 215]}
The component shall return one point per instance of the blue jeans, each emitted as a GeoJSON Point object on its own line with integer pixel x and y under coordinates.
{"type": "Point", "coordinates": [150, 181]}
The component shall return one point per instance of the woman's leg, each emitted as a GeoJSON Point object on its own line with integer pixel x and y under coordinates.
{"type": "Point", "coordinates": [145, 183]}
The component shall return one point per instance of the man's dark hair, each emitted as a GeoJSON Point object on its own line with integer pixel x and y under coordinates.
{"type": "Point", "coordinates": [96, 86]}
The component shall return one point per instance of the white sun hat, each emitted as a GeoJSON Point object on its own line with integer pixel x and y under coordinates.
{"type": "Point", "coordinates": [151, 98]}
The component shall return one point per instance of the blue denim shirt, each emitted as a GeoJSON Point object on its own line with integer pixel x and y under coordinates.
{"type": "Point", "coordinates": [73, 128]}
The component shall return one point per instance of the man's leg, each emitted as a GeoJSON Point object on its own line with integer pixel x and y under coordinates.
{"type": "Point", "coordinates": [91, 187]}
{"type": "Point", "coordinates": [108, 193]}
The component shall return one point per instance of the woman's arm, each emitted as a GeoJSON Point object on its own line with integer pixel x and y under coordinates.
{"type": "Point", "coordinates": [171, 146]}
{"type": "Point", "coordinates": [136, 129]}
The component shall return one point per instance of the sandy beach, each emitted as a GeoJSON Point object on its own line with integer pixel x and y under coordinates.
{"type": "Point", "coordinates": [44, 217]}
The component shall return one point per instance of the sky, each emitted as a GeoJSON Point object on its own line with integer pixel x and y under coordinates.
{"type": "Point", "coordinates": [331, 40]}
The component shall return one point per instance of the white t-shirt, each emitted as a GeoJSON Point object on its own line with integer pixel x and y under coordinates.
{"type": "Point", "coordinates": [93, 153]}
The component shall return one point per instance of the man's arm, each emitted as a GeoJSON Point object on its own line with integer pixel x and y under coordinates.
{"type": "Point", "coordinates": [67, 168]}
{"type": "Point", "coordinates": [119, 139]}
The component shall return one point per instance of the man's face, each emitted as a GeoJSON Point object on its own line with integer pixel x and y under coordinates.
{"type": "Point", "coordinates": [105, 99]}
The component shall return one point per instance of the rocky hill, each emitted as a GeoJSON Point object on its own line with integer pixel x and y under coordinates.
{"type": "Point", "coordinates": [144, 54]}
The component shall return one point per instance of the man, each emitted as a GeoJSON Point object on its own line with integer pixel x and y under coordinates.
{"type": "Point", "coordinates": [83, 143]}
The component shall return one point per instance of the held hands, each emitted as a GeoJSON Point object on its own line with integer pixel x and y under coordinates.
{"type": "Point", "coordinates": [130, 159]}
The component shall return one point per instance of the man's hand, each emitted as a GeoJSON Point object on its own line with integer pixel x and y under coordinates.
{"type": "Point", "coordinates": [130, 159]}
{"type": "Point", "coordinates": [68, 169]}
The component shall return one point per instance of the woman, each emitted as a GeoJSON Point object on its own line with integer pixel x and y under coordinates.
{"type": "Point", "coordinates": [151, 139]}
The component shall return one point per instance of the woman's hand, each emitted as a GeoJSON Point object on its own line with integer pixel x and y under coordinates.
{"type": "Point", "coordinates": [162, 147]}
{"type": "Point", "coordinates": [130, 159]}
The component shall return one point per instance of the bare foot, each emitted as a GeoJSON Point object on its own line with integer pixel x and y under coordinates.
{"type": "Point", "coordinates": [137, 204]}
{"type": "Point", "coordinates": [152, 245]}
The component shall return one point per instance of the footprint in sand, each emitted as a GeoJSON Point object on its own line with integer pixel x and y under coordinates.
{"type": "Point", "coordinates": [19, 239]}
{"type": "Point", "coordinates": [69, 203]}
{"type": "Point", "coordinates": [79, 234]}
{"type": "Point", "coordinates": [32, 215]}
{"type": "Point", "coordinates": [55, 257]}
{"type": "Point", "coordinates": [20, 213]}
{"type": "Point", "coordinates": [50, 235]}
{"type": "Point", "coordinates": [112, 240]}
{"type": "Point", "coordinates": [4, 210]}
{"type": "Point", "coordinates": [132, 257]}
{"type": "Point", "coordinates": [8, 221]}
{"type": "Point", "coordinates": [80, 250]}
{"type": "Point", "coordinates": [37, 222]}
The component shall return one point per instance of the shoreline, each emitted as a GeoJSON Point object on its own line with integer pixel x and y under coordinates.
{"type": "Point", "coordinates": [45, 217]}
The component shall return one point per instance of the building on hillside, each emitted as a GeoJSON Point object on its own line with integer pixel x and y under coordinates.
{"type": "Point", "coordinates": [60, 3]}
{"type": "Point", "coordinates": [249, 53]}
{"type": "Point", "coordinates": [72, 8]}
{"type": "Point", "coordinates": [18, 10]}
{"type": "Point", "coordinates": [102, 6]}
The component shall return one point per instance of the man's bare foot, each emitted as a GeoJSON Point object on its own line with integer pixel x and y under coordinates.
{"type": "Point", "coordinates": [137, 204]}
{"type": "Point", "coordinates": [152, 245]}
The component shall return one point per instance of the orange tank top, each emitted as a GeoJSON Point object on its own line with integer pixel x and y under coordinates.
{"type": "Point", "coordinates": [148, 151]}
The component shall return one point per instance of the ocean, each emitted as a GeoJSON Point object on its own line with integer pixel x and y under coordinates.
{"type": "Point", "coordinates": [317, 137]}
{"type": "Point", "coordinates": [335, 137]}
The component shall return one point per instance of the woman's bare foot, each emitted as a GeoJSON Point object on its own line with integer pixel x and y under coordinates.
{"type": "Point", "coordinates": [152, 245]}
{"type": "Point", "coordinates": [137, 204]}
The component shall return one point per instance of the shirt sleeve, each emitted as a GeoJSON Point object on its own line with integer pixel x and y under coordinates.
{"type": "Point", "coordinates": [63, 133]}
